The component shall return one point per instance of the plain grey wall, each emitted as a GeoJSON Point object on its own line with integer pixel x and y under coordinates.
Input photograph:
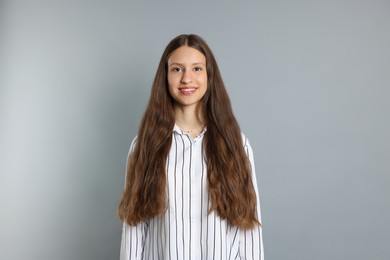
{"type": "Point", "coordinates": [309, 82]}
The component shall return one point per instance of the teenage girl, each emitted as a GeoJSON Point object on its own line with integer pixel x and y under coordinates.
{"type": "Point", "coordinates": [191, 190]}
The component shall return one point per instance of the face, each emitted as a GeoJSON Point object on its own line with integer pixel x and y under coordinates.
{"type": "Point", "coordinates": [187, 76]}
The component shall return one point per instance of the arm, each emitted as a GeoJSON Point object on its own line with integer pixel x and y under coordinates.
{"type": "Point", "coordinates": [133, 237]}
{"type": "Point", "coordinates": [251, 241]}
{"type": "Point", "coordinates": [132, 244]}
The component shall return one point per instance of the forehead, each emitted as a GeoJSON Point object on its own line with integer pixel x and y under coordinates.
{"type": "Point", "coordinates": [186, 54]}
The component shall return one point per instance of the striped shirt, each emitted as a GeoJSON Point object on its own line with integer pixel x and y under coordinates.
{"type": "Point", "coordinates": [186, 231]}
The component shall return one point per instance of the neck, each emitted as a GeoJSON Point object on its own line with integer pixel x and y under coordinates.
{"type": "Point", "coordinates": [187, 119]}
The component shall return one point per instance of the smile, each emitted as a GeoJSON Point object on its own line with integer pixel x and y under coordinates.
{"type": "Point", "coordinates": [187, 90]}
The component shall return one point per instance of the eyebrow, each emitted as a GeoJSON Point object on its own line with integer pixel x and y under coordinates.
{"type": "Point", "coordinates": [180, 64]}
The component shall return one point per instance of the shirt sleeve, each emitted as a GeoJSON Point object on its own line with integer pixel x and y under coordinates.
{"type": "Point", "coordinates": [251, 241]}
{"type": "Point", "coordinates": [133, 237]}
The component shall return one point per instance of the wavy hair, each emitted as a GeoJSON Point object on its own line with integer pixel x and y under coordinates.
{"type": "Point", "coordinates": [231, 192]}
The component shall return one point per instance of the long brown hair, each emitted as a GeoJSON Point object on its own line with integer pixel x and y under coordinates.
{"type": "Point", "coordinates": [230, 186]}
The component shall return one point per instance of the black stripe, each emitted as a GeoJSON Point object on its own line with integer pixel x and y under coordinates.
{"type": "Point", "coordinates": [220, 235]}
{"type": "Point", "coordinates": [151, 236]}
{"type": "Point", "coordinates": [207, 230]}
{"type": "Point", "coordinates": [234, 239]}
{"type": "Point", "coordinates": [214, 236]}
{"type": "Point", "coordinates": [201, 204]}
{"type": "Point", "coordinates": [182, 198]}
{"type": "Point", "coordinates": [177, 248]}
{"type": "Point", "coordinates": [189, 188]}
{"type": "Point", "coordinates": [253, 253]}
{"type": "Point", "coordinates": [169, 211]}
{"type": "Point", "coordinates": [237, 255]}
{"type": "Point", "coordinates": [136, 241]}
{"type": "Point", "coordinates": [130, 241]}
{"type": "Point", "coordinates": [159, 246]}
{"type": "Point", "coordinates": [245, 245]}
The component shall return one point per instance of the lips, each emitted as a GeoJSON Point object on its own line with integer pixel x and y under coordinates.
{"type": "Point", "coordinates": [187, 90]}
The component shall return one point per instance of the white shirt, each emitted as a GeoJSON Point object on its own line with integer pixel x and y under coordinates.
{"type": "Point", "coordinates": [186, 231]}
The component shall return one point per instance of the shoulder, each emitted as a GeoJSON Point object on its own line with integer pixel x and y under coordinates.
{"type": "Point", "coordinates": [247, 146]}
{"type": "Point", "coordinates": [132, 145]}
{"type": "Point", "coordinates": [245, 140]}
{"type": "Point", "coordinates": [134, 141]}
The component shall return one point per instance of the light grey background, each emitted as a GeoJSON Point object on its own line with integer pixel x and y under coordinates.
{"type": "Point", "coordinates": [310, 86]}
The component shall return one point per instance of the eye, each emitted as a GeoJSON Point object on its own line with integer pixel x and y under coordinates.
{"type": "Point", "coordinates": [198, 69]}
{"type": "Point", "coordinates": [177, 69]}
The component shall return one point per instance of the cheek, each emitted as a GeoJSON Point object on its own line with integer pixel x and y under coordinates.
{"type": "Point", "coordinates": [171, 87]}
{"type": "Point", "coordinates": [205, 80]}
{"type": "Point", "coordinates": [173, 80]}
{"type": "Point", "coordinates": [169, 79]}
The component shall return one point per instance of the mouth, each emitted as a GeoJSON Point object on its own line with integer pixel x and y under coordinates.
{"type": "Point", "coordinates": [187, 90]}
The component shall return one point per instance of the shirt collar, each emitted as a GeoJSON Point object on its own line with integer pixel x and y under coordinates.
{"type": "Point", "coordinates": [177, 129]}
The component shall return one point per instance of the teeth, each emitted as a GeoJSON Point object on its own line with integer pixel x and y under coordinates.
{"type": "Point", "coordinates": [188, 89]}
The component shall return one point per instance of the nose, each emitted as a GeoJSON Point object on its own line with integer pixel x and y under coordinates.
{"type": "Point", "coordinates": [186, 78]}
